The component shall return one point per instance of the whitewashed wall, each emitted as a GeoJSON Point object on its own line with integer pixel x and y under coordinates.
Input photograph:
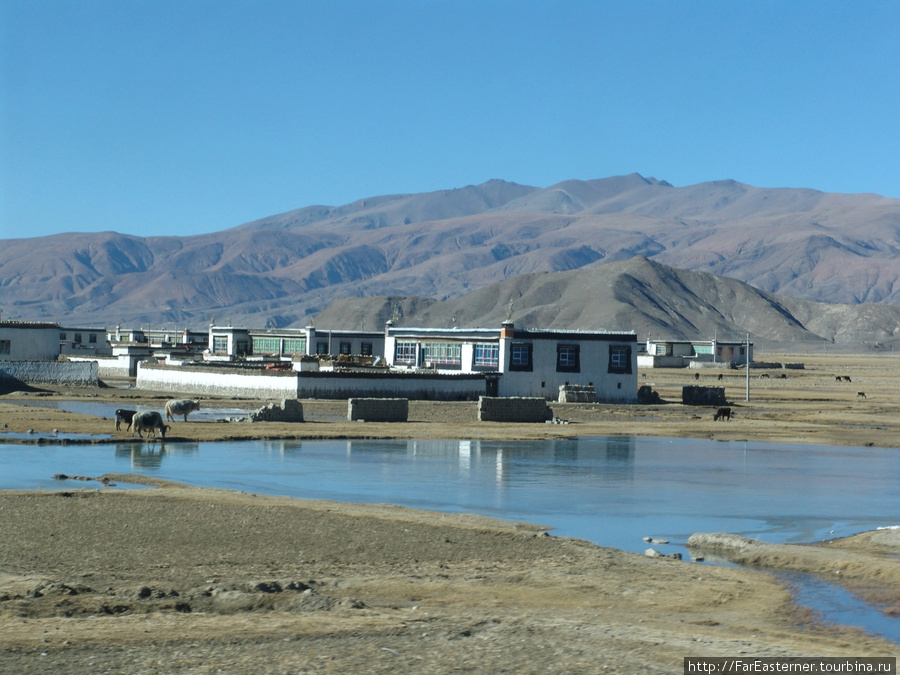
{"type": "Point", "coordinates": [216, 382]}
{"type": "Point", "coordinates": [40, 343]}
{"type": "Point", "coordinates": [544, 381]}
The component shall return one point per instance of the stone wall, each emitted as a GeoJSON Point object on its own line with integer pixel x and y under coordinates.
{"type": "Point", "coordinates": [577, 393]}
{"type": "Point", "coordinates": [695, 395]}
{"type": "Point", "coordinates": [513, 409]}
{"type": "Point", "coordinates": [290, 410]}
{"type": "Point", "coordinates": [378, 409]}
{"type": "Point", "coordinates": [50, 372]}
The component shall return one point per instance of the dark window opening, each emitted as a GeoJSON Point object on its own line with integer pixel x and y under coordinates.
{"type": "Point", "coordinates": [568, 359]}
{"type": "Point", "coordinates": [520, 357]}
{"type": "Point", "coordinates": [619, 359]}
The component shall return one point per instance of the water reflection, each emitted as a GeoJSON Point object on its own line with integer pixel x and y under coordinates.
{"type": "Point", "coordinates": [609, 459]}
{"type": "Point", "coordinates": [149, 454]}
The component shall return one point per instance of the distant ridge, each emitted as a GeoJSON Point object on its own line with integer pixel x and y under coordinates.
{"type": "Point", "coordinates": [284, 269]}
{"type": "Point", "coordinates": [638, 294]}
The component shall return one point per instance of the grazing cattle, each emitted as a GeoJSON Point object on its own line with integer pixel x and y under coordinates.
{"type": "Point", "coordinates": [860, 394]}
{"type": "Point", "coordinates": [696, 376]}
{"type": "Point", "coordinates": [838, 378]}
{"type": "Point", "coordinates": [124, 416]}
{"type": "Point", "coordinates": [149, 421]}
{"type": "Point", "coordinates": [783, 376]}
{"type": "Point", "coordinates": [181, 406]}
{"type": "Point", "coordinates": [721, 376]}
{"type": "Point", "coordinates": [763, 375]}
{"type": "Point", "coordinates": [722, 413]}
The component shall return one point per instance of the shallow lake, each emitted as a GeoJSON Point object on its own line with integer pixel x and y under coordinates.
{"type": "Point", "coordinates": [610, 490]}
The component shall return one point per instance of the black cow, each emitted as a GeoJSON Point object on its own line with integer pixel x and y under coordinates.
{"type": "Point", "coordinates": [124, 416]}
{"type": "Point", "coordinates": [722, 413]}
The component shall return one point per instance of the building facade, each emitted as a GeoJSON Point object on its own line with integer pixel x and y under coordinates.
{"type": "Point", "coordinates": [685, 353]}
{"type": "Point", "coordinates": [516, 362]}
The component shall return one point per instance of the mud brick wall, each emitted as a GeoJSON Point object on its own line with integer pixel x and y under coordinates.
{"type": "Point", "coordinates": [513, 409]}
{"type": "Point", "coordinates": [378, 409]}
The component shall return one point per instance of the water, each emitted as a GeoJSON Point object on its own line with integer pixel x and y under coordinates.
{"type": "Point", "coordinates": [99, 409]}
{"type": "Point", "coordinates": [610, 490]}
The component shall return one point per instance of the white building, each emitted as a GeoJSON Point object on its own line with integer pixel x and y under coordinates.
{"type": "Point", "coordinates": [518, 362]}
{"type": "Point", "coordinates": [28, 341]}
{"type": "Point", "coordinates": [229, 342]}
{"type": "Point", "coordinates": [685, 353]}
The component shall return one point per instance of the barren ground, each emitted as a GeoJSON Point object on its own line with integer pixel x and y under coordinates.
{"type": "Point", "coordinates": [187, 580]}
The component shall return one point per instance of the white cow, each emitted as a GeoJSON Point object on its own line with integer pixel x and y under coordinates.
{"type": "Point", "coordinates": [181, 406]}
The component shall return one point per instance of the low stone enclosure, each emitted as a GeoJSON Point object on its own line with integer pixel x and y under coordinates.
{"type": "Point", "coordinates": [513, 409]}
{"type": "Point", "coordinates": [290, 410]}
{"type": "Point", "coordinates": [377, 410]}
{"type": "Point", "coordinates": [490, 409]}
{"type": "Point", "coordinates": [577, 393]}
{"type": "Point", "coordinates": [695, 395]}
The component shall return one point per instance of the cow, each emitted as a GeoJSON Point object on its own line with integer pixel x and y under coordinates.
{"type": "Point", "coordinates": [123, 415]}
{"type": "Point", "coordinates": [860, 394]}
{"type": "Point", "coordinates": [722, 413]}
{"type": "Point", "coordinates": [149, 421]}
{"type": "Point", "coordinates": [181, 406]}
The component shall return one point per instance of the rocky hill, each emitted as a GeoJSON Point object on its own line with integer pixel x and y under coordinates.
{"type": "Point", "coordinates": [285, 269]}
{"type": "Point", "coordinates": [641, 295]}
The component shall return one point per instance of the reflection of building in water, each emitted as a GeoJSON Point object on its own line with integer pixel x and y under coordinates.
{"type": "Point", "coordinates": [282, 447]}
{"type": "Point", "coordinates": [605, 460]}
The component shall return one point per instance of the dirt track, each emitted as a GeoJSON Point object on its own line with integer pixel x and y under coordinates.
{"type": "Point", "coordinates": [180, 579]}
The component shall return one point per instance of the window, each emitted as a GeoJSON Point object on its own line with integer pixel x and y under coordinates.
{"type": "Point", "coordinates": [619, 359]}
{"type": "Point", "coordinates": [366, 349]}
{"type": "Point", "coordinates": [62, 337]}
{"type": "Point", "coordinates": [92, 338]}
{"type": "Point", "coordinates": [405, 353]}
{"type": "Point", "coordinates": [220, 344]}
{"type": "Point", "coordinates": [567, 359]}
{"type": "Point", "coordinates": [5, 346]}
{"type": "Point", "coordinates": [441, 352]}
{"type": "Point", "coordinates": [77, 339]}
{"type": "Point", "coordinates": [520, 356]}
{"type": "Point", "coordinates": [294, 346]}
{"type": "Point", "coordinates": [345, 348]}
{"type": "Point", "coordinates": [321, 347]}
{"type": "Point", "coordinates": [266, 345]}
{"type": "Point", "coordinates": [487, 354]}
{"type": "Point", "coordinates": [242, 347]}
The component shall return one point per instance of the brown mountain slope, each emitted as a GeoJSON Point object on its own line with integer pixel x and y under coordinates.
{"type": "Point", "coordinates": [281, 270]}
{"type": "Point", "coordinates": [640, 295]}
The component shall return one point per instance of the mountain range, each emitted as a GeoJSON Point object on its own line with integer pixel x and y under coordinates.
{"type": "Point", "coordinates": [553, 251]}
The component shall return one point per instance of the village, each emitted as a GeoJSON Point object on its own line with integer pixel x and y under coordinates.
{"type": "Point", "coordinates": [450, 364]}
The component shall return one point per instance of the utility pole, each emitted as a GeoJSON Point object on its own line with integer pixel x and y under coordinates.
{"type": "Point", "coordinates": [747, 366]}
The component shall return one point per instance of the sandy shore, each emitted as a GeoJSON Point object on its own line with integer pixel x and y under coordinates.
{"type": "Point", "coordinates": [181, 579]}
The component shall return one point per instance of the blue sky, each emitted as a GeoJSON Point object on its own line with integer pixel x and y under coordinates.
{"type": "Point", "coordinates": [181, 117]}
